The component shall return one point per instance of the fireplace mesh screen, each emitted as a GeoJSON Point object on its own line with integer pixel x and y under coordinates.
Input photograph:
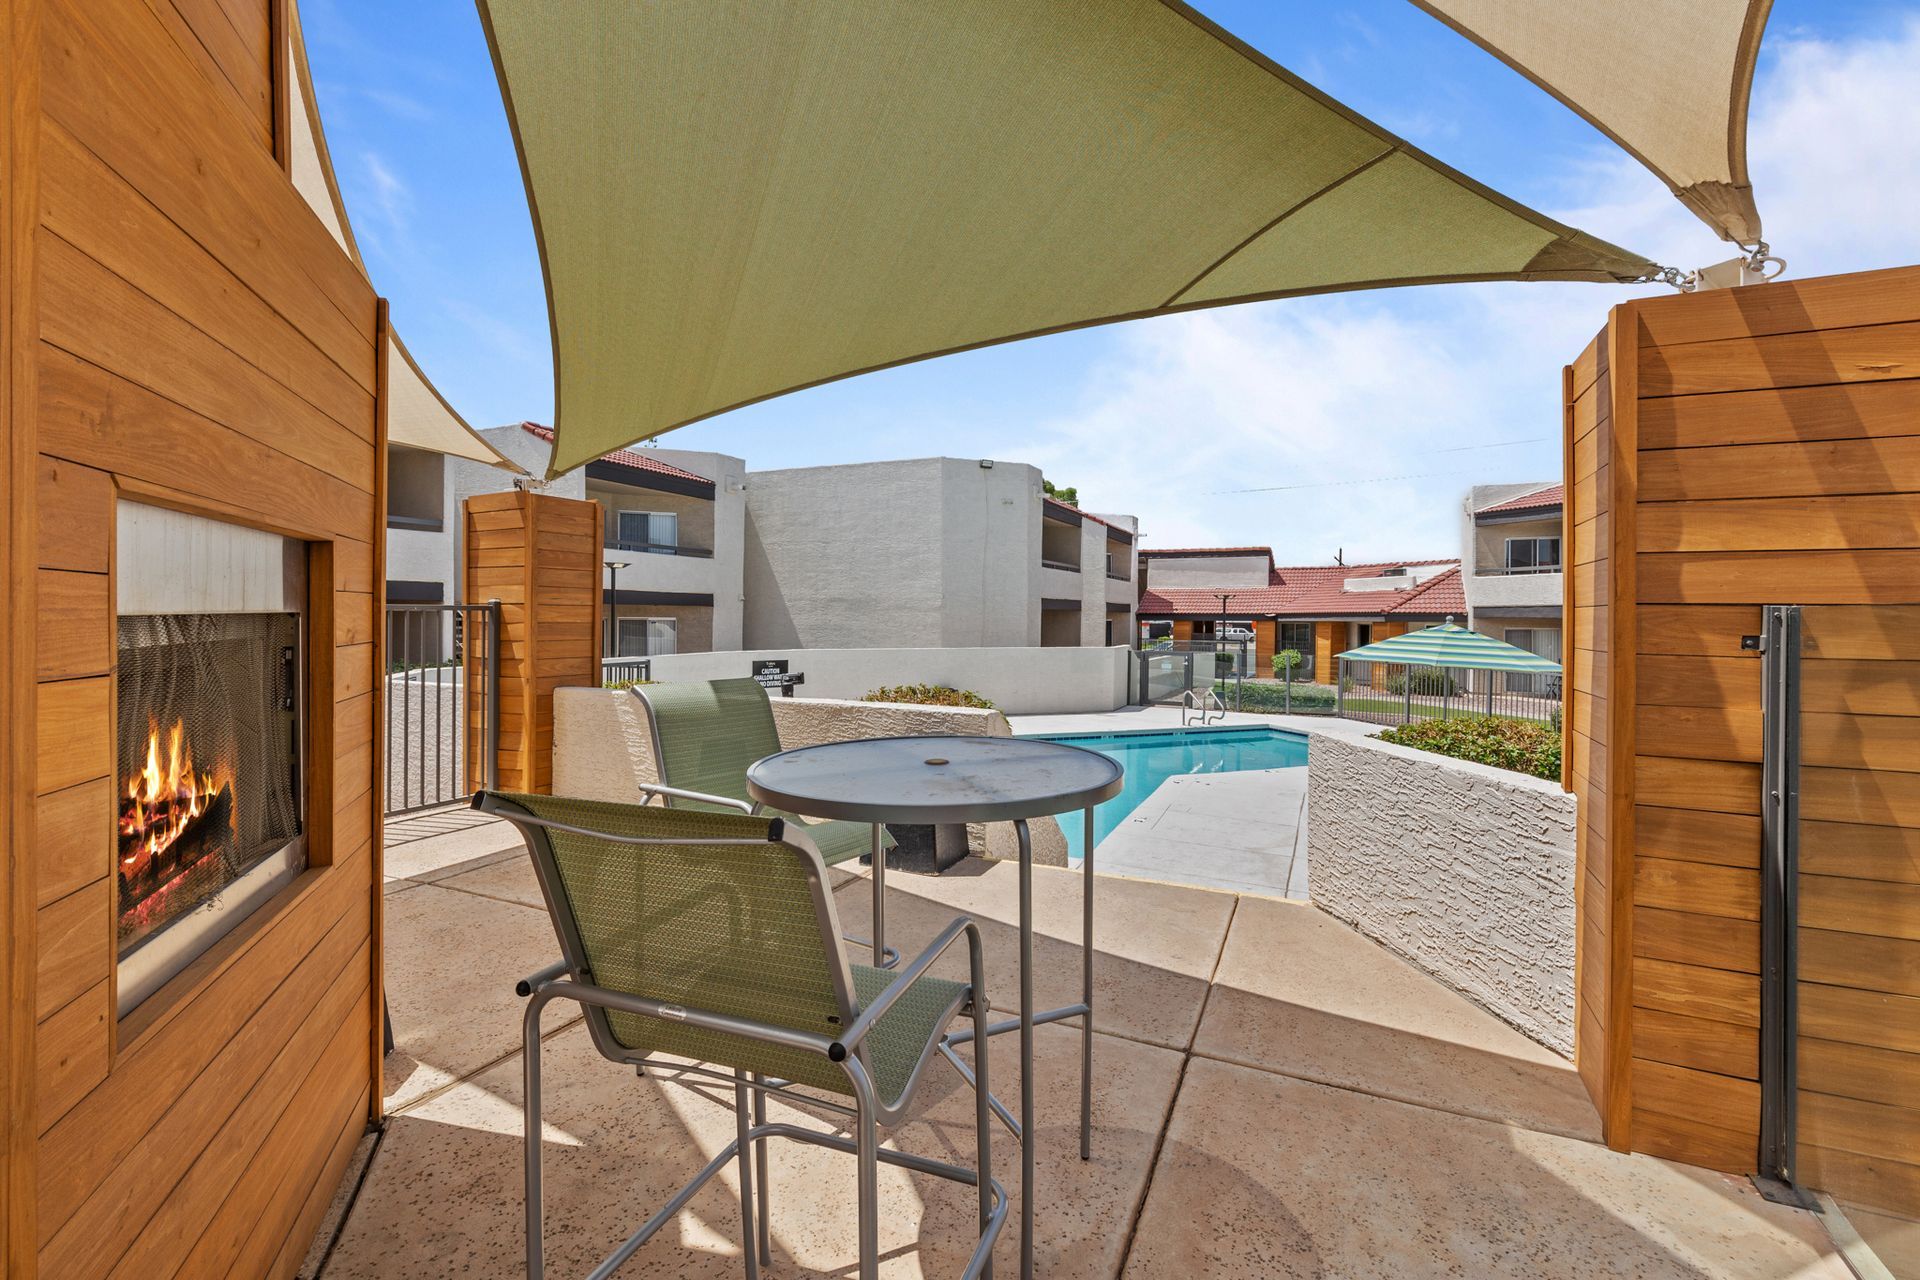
{"type": "Point", "coordinates": [208, 757]}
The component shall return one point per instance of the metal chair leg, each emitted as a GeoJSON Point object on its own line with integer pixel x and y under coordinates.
{"type": "Point", "coordinates": [530, 1083]}
{"type": "Point", "coordinates": [867, 1154]}
{"type": "Point", "coordinates": [879, 897]}
{"type": "Point", "coordinates": [982, 1113]}
{"type": "Point", "coordinates": [760, 1174]}
{"type": "Point", "coordinates": [749, 1237]}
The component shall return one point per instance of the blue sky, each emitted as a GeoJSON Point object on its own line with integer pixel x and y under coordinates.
{"type": "Point", "coordinates": [1375, 410]}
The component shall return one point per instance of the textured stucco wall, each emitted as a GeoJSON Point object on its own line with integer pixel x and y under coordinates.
{"type": "Point", "coordinates": [1038, 681]}
{"type": "Point", "coordinates": [931, 552]}
{"type": "Point", "coordinates": [602, 749]}
{"type": "Point", "coordinates": [1464, 869]}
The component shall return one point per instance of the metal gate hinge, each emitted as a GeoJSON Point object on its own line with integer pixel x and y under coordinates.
{"type": "Point", "coordinates": [1755, 644]}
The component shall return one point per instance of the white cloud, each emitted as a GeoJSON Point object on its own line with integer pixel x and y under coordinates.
{"type": "Point", "coordinates": [1331, 391]}
{"type": "Point", "coordinates": [392, 198]}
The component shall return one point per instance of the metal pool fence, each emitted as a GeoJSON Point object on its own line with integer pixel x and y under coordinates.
{"type": "Point", "coordinates": [442, 742]}
{"type": "Point", "coordinates": [1397, 693]}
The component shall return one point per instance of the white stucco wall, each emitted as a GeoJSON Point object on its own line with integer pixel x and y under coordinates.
{"type": "Point", "coordinates": [728, 581]}
{"type": "Point", "coordinates": [1208, 571]}
{"type": "Point", "coordinates": [926, 552]}
{"type": "Point", "coordinates": [1466, 870]}
{"type": "Point", "coordinates": [1017, 681]}
{"type": "Point", "coordinates": [602, 748]}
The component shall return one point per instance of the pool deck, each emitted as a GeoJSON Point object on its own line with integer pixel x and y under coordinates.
{"type": "Point", "coordinates": [1276, 1097]}
{"type": "Point", "coordinates": [1243, 832]}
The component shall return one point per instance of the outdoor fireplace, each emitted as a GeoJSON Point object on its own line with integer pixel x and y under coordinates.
{"type": "Point", "coordinates": [208, 810]}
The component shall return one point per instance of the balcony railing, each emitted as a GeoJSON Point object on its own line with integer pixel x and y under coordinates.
{"type": "Point", "coordinates": [1503, 570]}
{"type": "Point", "coordinates": [1059, 564]}
{"type": "Point", "coordinates": [662, 549]}
{"type": "Point", "coordinates": [423, 524]}
{"type": "Point", "coordinates": [1119, 575]}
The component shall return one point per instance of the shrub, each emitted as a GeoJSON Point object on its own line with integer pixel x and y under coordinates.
{"type": "Point", "coordinates": [1274, 699]}
{"type": "Point", "coordinates": [1284, 662]}
{"type": "Point", "coordinates": [625, 684]}
{"type": "Point", "coordinates": [1222, 661]}
{"type": "Point", "coordinates": [1524, 746]}
{"type": "Point", "coordinates": [928, 695]}
{"type": "Point", "coordinates": [1426, 682]}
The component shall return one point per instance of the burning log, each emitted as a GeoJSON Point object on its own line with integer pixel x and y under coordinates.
{"type": "Point", "coordinates": [172, 817]}
{"type": "Point", "coordinates": [200, 834]}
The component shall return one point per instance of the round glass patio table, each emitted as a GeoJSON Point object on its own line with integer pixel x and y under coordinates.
{"type": "Point", "coordinates": [937, 781]}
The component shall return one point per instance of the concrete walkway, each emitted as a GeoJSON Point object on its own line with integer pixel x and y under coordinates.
{"type": "Point", "coordinates": [1276, 1097]}
{"type": "Point", "coordinates": [1242, 832]}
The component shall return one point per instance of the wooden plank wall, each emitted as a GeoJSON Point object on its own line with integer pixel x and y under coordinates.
{"type": "Point", "coordinates": [1776, 459]}
{"type": "Point", "coordinates": [1588, 646]}
{"type": "Point", "coordinates": [540, 557]}
{"type": "Point", "coordinates": [1859, 881]}
{"type": "Point", "coordinates": [196, 340]}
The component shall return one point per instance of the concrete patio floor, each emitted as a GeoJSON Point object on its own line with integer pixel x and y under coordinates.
{"type": "Point", "coordinates": [1275, 1096]}
{"type": "Point", "coordinates": [1244, 832]}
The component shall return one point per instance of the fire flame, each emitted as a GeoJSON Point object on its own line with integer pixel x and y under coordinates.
{"type": "Point", "coordinates": [162, 802]}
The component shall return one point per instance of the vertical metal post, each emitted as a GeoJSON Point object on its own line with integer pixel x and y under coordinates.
{"type": "Point", "coordinates": [879, 878]}
{"type": "Point", "coordinates": [1779, 886]}
{"type": "Point", "coordinates": [406, 710]}
{"type": "Point", "coordinates": [1406, 689]}
{"type": "Point", "coordinates": [439, 707]}
{"type": "Point", "coordinates": [1027, 1086]}
{"type": "Point", "coordinates": [749, 1244]}
{"type": "Point", "coordinates": [1340, 687]}
{"type": "Point", "coordinates": [493, 694]}
{"type": "Point", "coordinates": [1086, 987]}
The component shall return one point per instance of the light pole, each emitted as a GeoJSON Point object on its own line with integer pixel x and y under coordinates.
{"type": "Point", "coordinates": [613, 595]}
{"type": "Point", "coordinates": [1220, 628]}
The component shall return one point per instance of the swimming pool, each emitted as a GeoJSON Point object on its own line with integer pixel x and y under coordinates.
{"type": "Point", "coordinates": [1152, 758]}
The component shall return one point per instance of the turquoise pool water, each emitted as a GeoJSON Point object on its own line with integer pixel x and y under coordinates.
{"type": "Point", "coordinates": [1152, 758]}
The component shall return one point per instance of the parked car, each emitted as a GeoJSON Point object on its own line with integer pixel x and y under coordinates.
{"type": "Point", "coordinates": [1237, 634]}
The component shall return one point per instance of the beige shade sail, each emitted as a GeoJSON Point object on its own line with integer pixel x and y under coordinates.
{"type": "Point", "coordinates": [1666, 79]}
{"type": "Point", "coordinates": [739, 198]}
{"type": "Point", "coordinates": [417, 414]}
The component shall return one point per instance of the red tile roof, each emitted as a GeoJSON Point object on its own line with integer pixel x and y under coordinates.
{"type": "Point", "coordinates": [1319, 591]}
{"type": "Point", "coordinates": [1551, 496]}
{"type": "Point", "coordinates": [626, 457]}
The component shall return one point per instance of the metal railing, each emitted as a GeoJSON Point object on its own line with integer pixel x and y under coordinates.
{"type": "Point", "coordinates": [625, 670]}
{"type": "Point", "coordinates": [663, 549]}
{"type": "Point", "coordinates": [1396, 693]}
{"type": "Point", "coordinates": [442, 731]}
{"type": "Point", "coordinates": [1207, 706]}
{"type": "Point", "coordinates": [1059, 564]}
{"type": "Point", "coordinates": [1504, 570]}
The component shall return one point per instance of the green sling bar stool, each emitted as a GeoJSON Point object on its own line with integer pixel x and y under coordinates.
{"type": "Point", "coordinates": [713, 937]}
{"type": "Point", "coordinates": [705, 735]}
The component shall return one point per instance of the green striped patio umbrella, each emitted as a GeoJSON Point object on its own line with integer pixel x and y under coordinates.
{"type": "Point", "coordinates": [1452, 646]}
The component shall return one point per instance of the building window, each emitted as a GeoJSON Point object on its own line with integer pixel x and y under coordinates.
{"type": "Point", "coordinates": [1533, 555]}
{"type": "Point", "coordinates": [646, 637]}
{"type": "Point", "coordinates": [640, 530]}
{"type": "Point", "coordinates": [1297, 636]}
{"type": "Point", "coordinates": [1544, 641]}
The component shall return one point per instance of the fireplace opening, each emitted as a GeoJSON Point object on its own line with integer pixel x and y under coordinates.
{"type": "Point", "coordinates": [209, 758]}
{"type": "Point", "coordinates": [208, 811]}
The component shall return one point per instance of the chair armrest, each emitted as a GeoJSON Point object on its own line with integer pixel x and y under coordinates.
{"type": "Point", "coordinates": [862, 1024]}
{"type": "Point", "coordinates": [732, 1024]}
{"type": "Point", "coordinates": [541, 977]}
{"type": "Point", "coordinates": [661, 789]}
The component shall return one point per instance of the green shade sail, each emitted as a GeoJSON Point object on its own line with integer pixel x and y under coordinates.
{"type": "Point", "coordinates": [1453, 646]}
{"type": "Point", "coordinates": [740, 198]}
